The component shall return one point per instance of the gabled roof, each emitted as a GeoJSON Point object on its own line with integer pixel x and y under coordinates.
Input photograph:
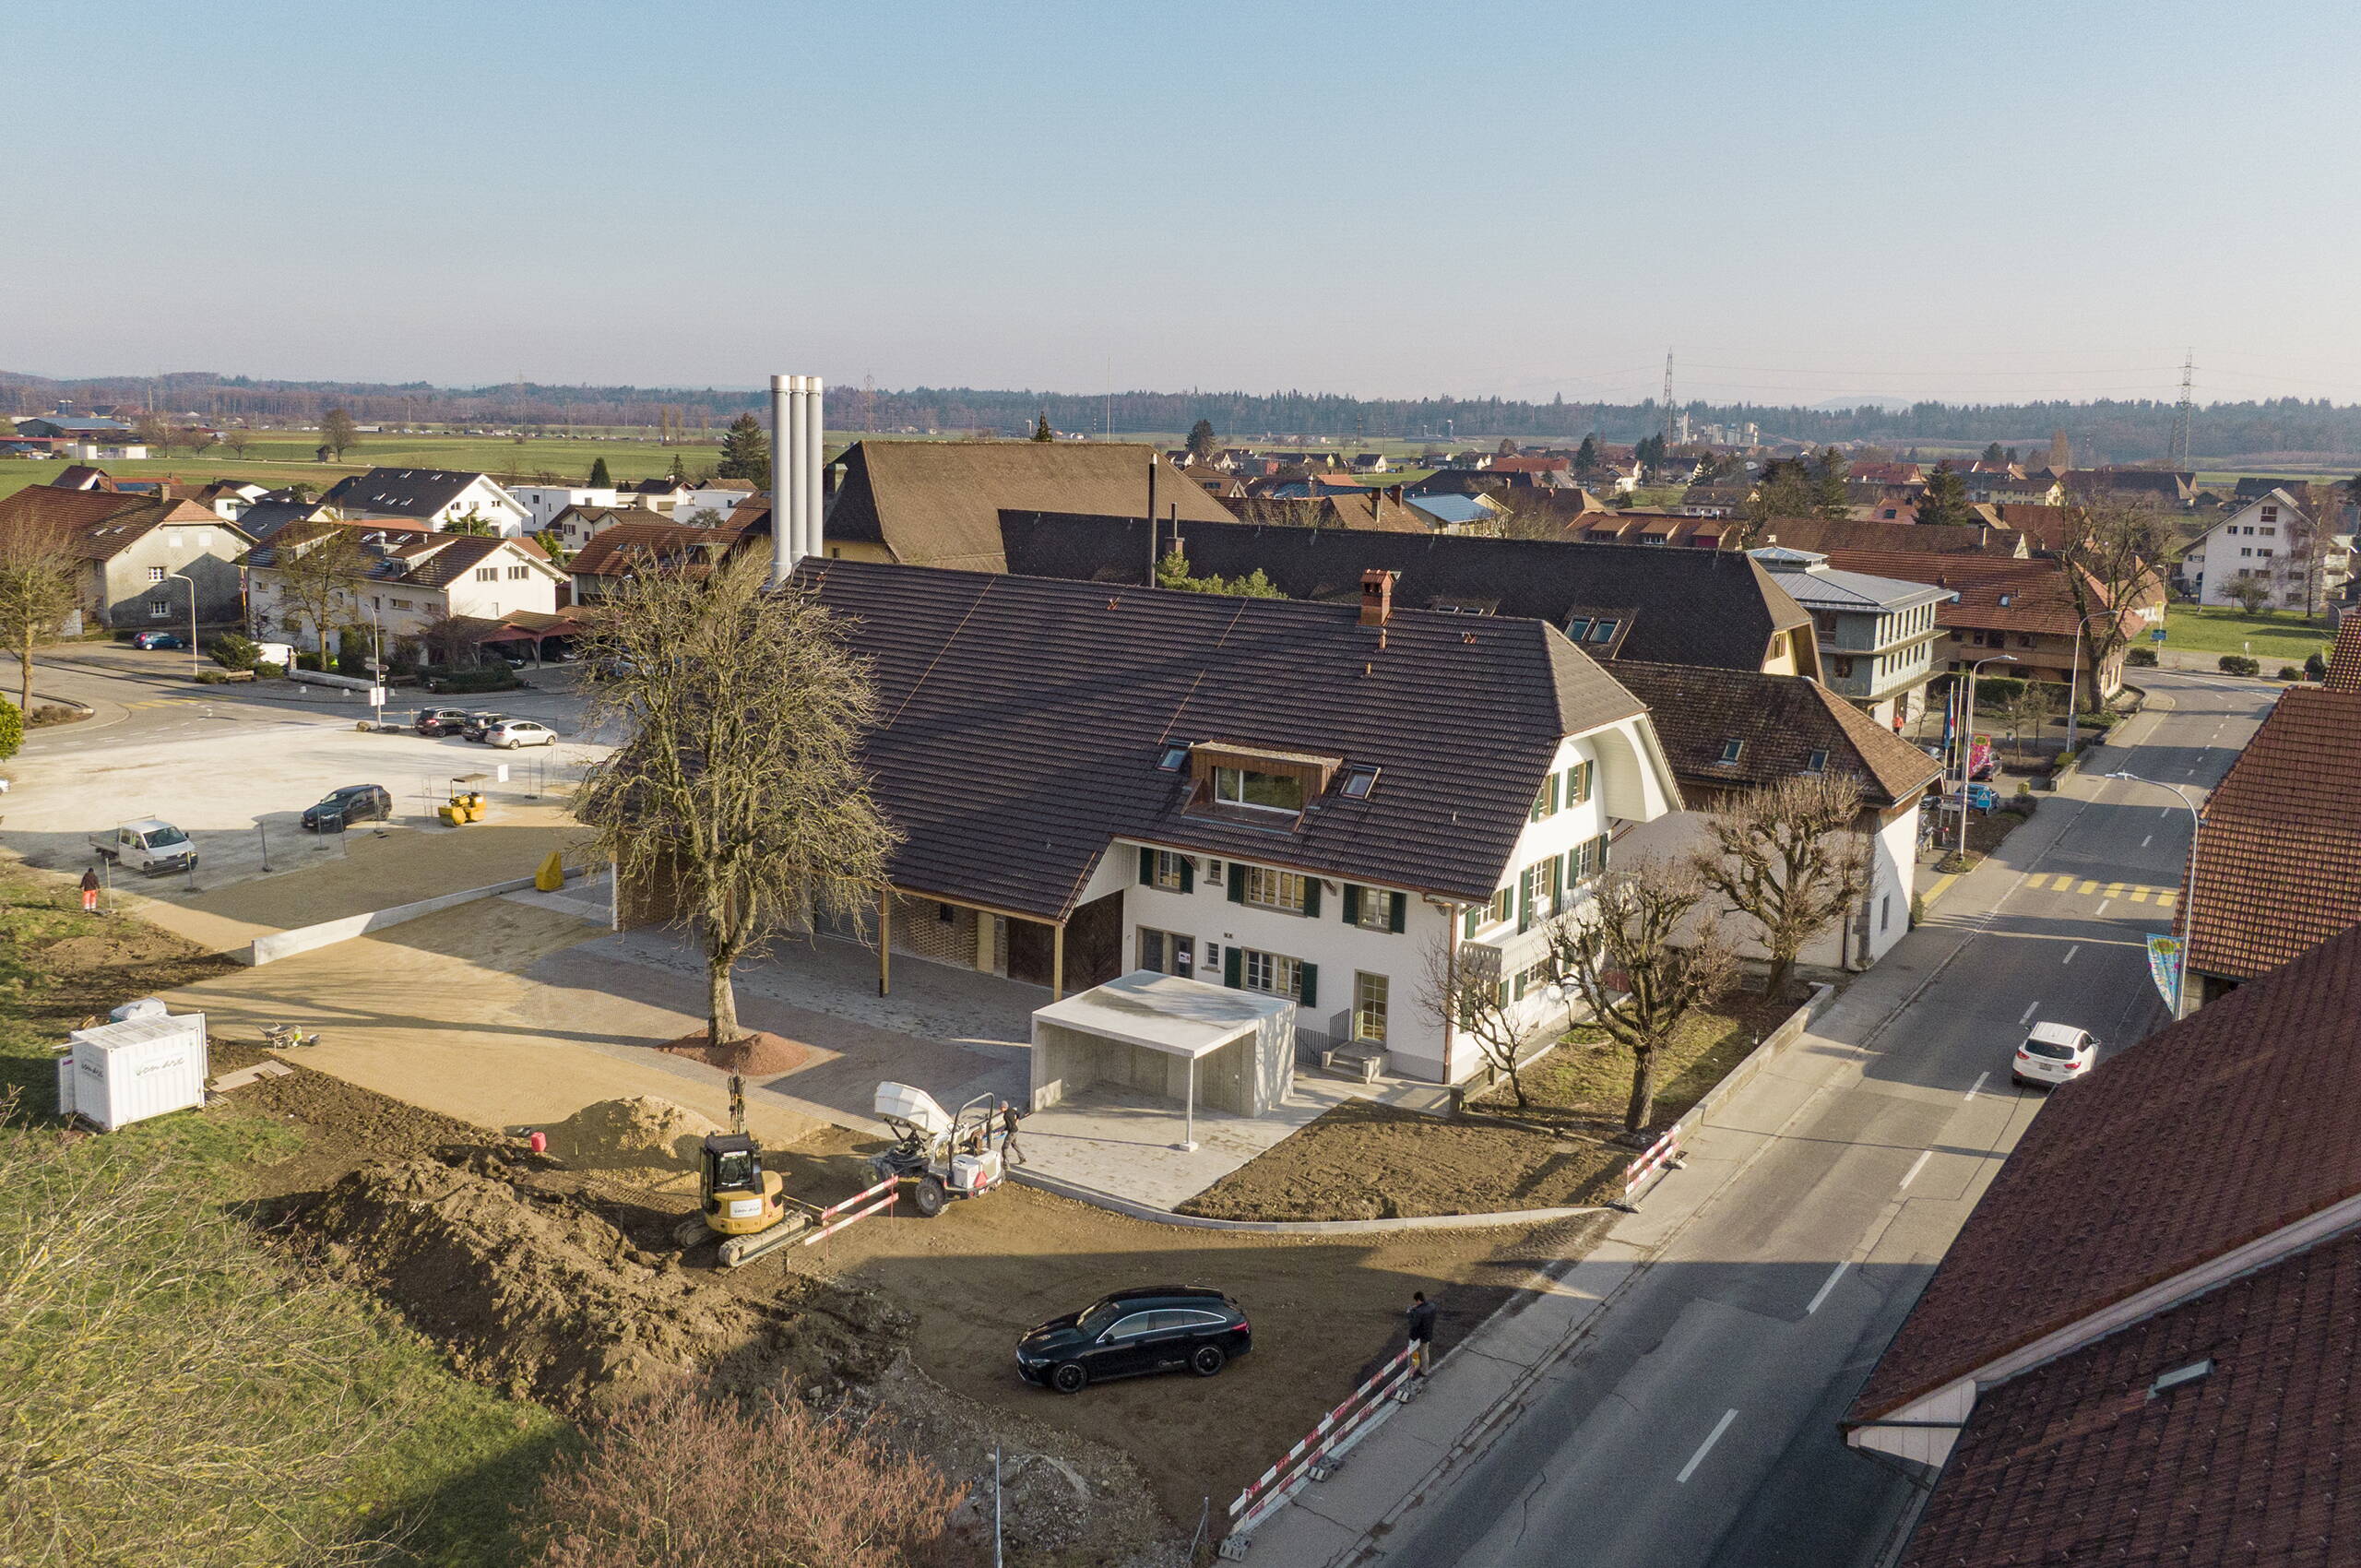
{"type": "Point", "coordinates": [1994, 592]}
{"type": "Point", "coordinates": [1811, 582]}
{"type": "Point", "coordinates": [267, 516]}
{"type": "Point", "coordinates": [1781, 720]}
{"type": "Point", "coordinates": [1023, 719]}
{"type": "Point", "coordinates": [1824, 534]}
{"type": "Point", "coordinates": [404, 493]}
{"type": "Point", "coordinates": [2279, 853]}
{"type": "Point", "coordinates": [639, 546]}
{"type": "Point", "coordinates": [97, 524]}
{"type": "Point", "coordinates": [2210, 1134]}
{"type": "Point", "coordinates": [1711, 606]}
{"type": "Point", "coordinates": [938, 502]}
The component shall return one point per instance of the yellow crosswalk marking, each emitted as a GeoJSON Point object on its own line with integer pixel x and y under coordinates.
{"type": "Point", "coordinates": [2166, 900]}
{"type": "Point", "coordinates": [2140, 895]}
{"type": "Point", "coordinates": [2090, 887]}
{"type": "Point", "coordinates": [2115, 890]}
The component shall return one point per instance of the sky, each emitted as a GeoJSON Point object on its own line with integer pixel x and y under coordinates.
{"type": "Point", "coordinates": [1799, 199]}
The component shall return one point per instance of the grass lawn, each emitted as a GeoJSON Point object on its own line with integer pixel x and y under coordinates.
{"type": "Point", "coordinates": [2281, 637]}
{"type": "Point", "coordinates": [280, 1372]}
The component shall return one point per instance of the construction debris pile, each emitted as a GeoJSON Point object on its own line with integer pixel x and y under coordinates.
{"type": "Point", "coordinates": [638, 1134]}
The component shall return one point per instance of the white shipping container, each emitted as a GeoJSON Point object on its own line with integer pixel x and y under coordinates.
{"type": "Point", "coordinates": [114, 1075]}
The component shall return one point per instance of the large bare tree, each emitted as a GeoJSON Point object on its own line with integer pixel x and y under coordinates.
{"type": "Point", "coordinates": [1462, 989]}
{"type": "Point", "coordinates": [1644, 954]}
{"type": "Point", "coordinates": [39, 577]}
{"type": "Point", "coordinates": [1789, 858]}
{"type": "Point", "coordinates": [2111, 550]}
{"type": "Point", "coordinates": [318, 576]}
{"type": "Point", "coordinates": [740, 787]}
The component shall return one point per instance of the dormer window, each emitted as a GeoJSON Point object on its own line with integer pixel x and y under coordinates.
{"type": "Point", "coordinates": [1603, 631]}
{"type": "Point", "coordinates": [1578, 627]}
{"type": "Point", "coordinates": [1262, 791]}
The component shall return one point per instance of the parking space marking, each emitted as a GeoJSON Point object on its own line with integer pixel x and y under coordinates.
{"type": "Point", "coordinates": [1916, 1166]}
{"type": "Point", "coordinates": [2070, 952]}
{"type": "Point", "coordinates": [2028, 1012]}
{"type": "Point", "coordinates": [2104, 903]}
{"type": "Point", "coordinates": [1705, 1447]}
{"type": "Point", "coordinates": [1976, 1088]}
{"type": "Point", "coordinates": [2143, 843]}
{"type": "Point", "coordinates": [1826, 1285]}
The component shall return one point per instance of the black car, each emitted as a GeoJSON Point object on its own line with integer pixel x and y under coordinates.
{"type": "Point", "coordinates": [1161, 1328]}
{"type": "Point", "coordinates": [354, 803]}
{"type": "Point", "coordinates": [440, 720]}
{"type": "Point", "coordinates": [477, 725]}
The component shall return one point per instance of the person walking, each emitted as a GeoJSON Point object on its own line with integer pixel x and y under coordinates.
{"type": "Point", "coordinates": [1422, 1317]}
{"type": "Point", "coordinates": [1010, 1154]}
{"type": "Point", "coordinates": [91, 891]}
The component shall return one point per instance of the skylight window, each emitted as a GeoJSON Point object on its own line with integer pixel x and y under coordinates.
{"type": "Point", "coordinates": [1604, 631]}
{"type": "Point", "coordinates": [1578, 627]}
{"type": "Point", "coordinates": [1730, 750]}
{"type": "Point", "coordinates": [1174, 759]}
{"type": "Point", "coordinates": [2167, 1382]}
{"type": "Point", "coordinates": [1358, 782]}
{"type": "Point", "coordinates": [1816, 763]}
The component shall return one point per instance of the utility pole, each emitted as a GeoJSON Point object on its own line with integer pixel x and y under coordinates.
{"type": "Point", "coordinates": [1667, 399]}
{"type": "Point", "coordinates": [2185, 414]}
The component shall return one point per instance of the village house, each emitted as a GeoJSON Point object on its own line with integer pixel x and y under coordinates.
{"type": "Point", "coordinates": [576, 526]}
{"type": "Point", "coordinates": [2276, 538]}
{"type": "Point", "coordinates": [1877, 635]}
{"type": "Point", "coordinates": [1294, 798]}
{"type": "Point", "coordinates": [1821, 535]}
{"type": "Point", "coordinates": [428, 498]}
{"type": "Point", "coordinates": [545, 504]}
{"type": "Point", "coordinates": [141, 560]}
{"type": "Point", "coordinates": [615, 554]}
{"type": "Point", "coordinates": [416, 579]}
{"type": "Point", "coordinates": [2025, 608]}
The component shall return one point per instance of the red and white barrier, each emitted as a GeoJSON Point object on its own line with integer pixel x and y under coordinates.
{"type": "Point", "coordinates": [829, 1222]}
{"type": "Point", "coordinates": [1341, 1428]}
{"type": "Point", "coordinates": [1661, 1153]}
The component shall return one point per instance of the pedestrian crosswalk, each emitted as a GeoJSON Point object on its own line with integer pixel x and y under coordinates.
{"type": "Point", "coordinates": [165, 702]}
{"type": "Point", "coordinates": [2131, 892]}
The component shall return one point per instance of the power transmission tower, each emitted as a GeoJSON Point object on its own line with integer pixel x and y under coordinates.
{"type": "Point", "coordinates": [1667, 399]}
{"type": "Point", "coordinates": [2185, 413]}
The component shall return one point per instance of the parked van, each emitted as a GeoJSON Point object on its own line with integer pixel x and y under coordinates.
{"type": "Point", "coordinates": [153, 845]}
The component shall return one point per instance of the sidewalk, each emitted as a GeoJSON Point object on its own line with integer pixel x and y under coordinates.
{"type": "Point", "coordinates": [1481, 1385]}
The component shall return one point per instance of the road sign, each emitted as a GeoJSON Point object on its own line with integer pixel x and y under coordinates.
{"type": "Point", "coordinates": [2164, 966]}
{"type": "Point", "coordinates": [2157, 636]}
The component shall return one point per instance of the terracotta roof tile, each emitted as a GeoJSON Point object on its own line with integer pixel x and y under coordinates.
{"type": "Point", "coordinates": [1780, 719]}
{"type": "Point", "coordinates": [1995, 593]}
{"type": "Point", "coordinates": [2345, 659]}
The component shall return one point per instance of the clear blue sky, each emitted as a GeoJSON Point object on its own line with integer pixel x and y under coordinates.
{"type": "Point", "coordinates": [1804, 199]}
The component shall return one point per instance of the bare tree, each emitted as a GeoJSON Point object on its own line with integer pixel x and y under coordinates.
{"type": "Point", "coordinates": [238, 438]}
{"type": "Point", "coordinates": [318, 577]}
{"type": "Point", "coordinates": [2251, 594]}
{"type": "Point", "coordinates": [1643, 960]}
{"type": "Point", "coordinates": [741, 787]}
{"type": "Point", "coordinates": [2111, 550]}
{"type": "Point", "coordinates": [2033, 706]}
{"type": "Point", "coordinates": [338, 431]}
{"type": "Point", "coordinates": [1464, 990]}
{"type": "Point", "coordinates": [40, 586]}
{"type": "Point", "coordinates": [1789, 858]}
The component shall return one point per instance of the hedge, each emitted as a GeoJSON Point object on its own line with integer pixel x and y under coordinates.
{"type": "Point", "coordinates": [2239, 664]}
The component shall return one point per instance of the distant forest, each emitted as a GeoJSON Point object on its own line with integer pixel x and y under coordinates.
{"type": "Point", "coordinates": [2294, 429]}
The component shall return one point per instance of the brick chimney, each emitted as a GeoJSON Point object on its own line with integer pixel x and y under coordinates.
{"type": "Point", "coordinates": [1377, 597]}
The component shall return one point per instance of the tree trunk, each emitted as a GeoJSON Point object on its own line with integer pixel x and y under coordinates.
{"type": "Point", "coordinates": [1643, 1088]}
{"type": "Point", "coordinates": [721, 1003]}
{"type": "Point", "coordinates": [1516, 1084]}
{"type": "Point", "coordinates": [1782, 969]}
{"type": "Point", "coordinates": [25, 674]}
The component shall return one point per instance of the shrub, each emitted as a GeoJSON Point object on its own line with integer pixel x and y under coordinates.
{"type": "Point", "coordinates": [2289, 672]}
{"type": "Point", "coordinates": [2142, 658]}
{"type": "Point", "coordinates": [232, 650]}
{"type": "Point", "coordinates": [51, 713]}
{"type": "Point", "coordinates": [353, 659]}
{"type": "Point", "coordinates": [268, 672]}
{"type": "Point", "coordinates": [473, 678]}
{"type": "Point", "coordinates": [681, 1481]}
{"type": "Point", "coordinates": [2316, 667]}
{"type": "Point", "coordinates": [307, 662]}
{"type": "Point", "coordinates": [12, 727]}
{"type": "Point", "coordinates": [1994, 692]}
{"type": "Point", "coordinates": [2239, 664]}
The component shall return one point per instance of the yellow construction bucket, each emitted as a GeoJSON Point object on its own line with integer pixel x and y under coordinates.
{"type": "Point", "coordinates": [551, 876]}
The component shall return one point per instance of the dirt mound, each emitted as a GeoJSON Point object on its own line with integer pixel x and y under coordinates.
{"type": "Point", "coordinates": [534, 1294]}
{"type": "Point", "coordinates": [759, 1053]}
{"type": "Point", "coordinates": [638, 1133]}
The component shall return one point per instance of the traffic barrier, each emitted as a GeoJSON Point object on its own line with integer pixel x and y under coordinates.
{"type": "Point", "coordinates": [829, 1222]}
{"type": "Point", "coordinates": [1310, 1459]}
{"type": "Point", "coordinates": [1659, 1155]}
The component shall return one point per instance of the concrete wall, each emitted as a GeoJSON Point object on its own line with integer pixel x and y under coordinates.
{"type": "Point", "coordinates": [1247, 1077]}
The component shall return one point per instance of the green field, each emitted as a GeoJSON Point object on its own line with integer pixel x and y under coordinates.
{"type": "Point", "coordinates": [2281, 638]}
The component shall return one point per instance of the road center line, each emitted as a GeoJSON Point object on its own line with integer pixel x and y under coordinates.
{"type": "Point", "coordinates": [2144, 842]}
{"type": "Point", "coordinates": [2104, 903]}
{"type": "Point", "coordinates": [1916, 1166]}
{"type": "Point", "coordinates": [2070, 952]}
{"type": "Point", "coordinates": [1975, 1088]}
{"type": "Point", "coordinates": [2027, 1016]}
{"type": "Point", "coordinates": [1705, 1448]}
{"type": "Point", "coordinates": [1826, 1285]}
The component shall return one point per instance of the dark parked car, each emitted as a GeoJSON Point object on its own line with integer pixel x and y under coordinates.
{"type": "Point", "coordinates": [1161, 1328]}
{"type": "Point", "coordinates": [477, 725]}
{"type": "Point", "coordinates": [157, 640]}
{"type": "Point", "coordinates": [440, 720]}
{"type": "Point", "coordinates": [354, 803]}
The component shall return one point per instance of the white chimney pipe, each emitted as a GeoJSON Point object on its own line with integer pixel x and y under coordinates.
{"type": "Point", "coordinates": [785, 496]}
{"type": "Point", "coordinates": [814, 456]}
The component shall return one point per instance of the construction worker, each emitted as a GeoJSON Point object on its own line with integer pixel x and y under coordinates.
{"type": "Point", "coordinates": [1422, 1317]}
{"type": "Point", "coordinates": [91, 891]}
{"type": "Point", "coordinates": [1009, 1152]}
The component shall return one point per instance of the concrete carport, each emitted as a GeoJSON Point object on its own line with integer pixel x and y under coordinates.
{"type": "Point", "coordinates": [1179, 1040]}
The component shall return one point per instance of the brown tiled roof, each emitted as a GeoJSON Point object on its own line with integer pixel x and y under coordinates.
{"type": "Point", "coordinates": [2279, 856]}
{"type": "Point", "coordinates": [2038, 597]}
{"type": "Point", "coordinates": [2074, 1463]}
{"type": "Point", "coordinates": [2211, 1133]}
{"type": "Point", "coordinates": [1824, 534]}
{"type": "Point", "coordinates": [94, 525]}
{"type": "Point", "coordinates": [938, 502]}
{"type": "Point", "coordinates": [1024, 720]}
{"type": "Point", "coordinates": [631, 547]}
{"type": "Point", "coordinates": [2345, 659]}
{"type": "Point", "coordinates": [1782, 719]}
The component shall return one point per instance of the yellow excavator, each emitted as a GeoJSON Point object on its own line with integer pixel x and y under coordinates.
{"type": "Point", "coordinates": [739, 1201]}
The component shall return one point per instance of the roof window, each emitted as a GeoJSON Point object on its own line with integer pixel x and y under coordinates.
{"type": "Point", "coordinates": [1816, 763]}
{"type": "Point", "coordinates": [1730, 750]}
{"type": "Point", "coordinates": [1578, 627]}
{"type": "Point", "coordinates": [1174, 759]}
{"type": "Point", "coordinates": [1604, 631]}
{"type": "Point", "coordinates": [1358, 781]}
{"type": "Point", "coordinates": [2167, 1382]}
{"type": "Point", "coordinates": [2004, 601]}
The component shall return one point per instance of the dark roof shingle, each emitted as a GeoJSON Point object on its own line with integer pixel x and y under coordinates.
{"type": "Point", "coordinates": [1782, 719]}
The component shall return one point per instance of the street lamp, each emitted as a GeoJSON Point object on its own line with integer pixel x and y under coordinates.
{"type": "Point", "coordinates": [2188, 898]}
{"type": "Point", "coordinates": [194, 667]}
{"type": "Point", "coordinates": [1967, 737]}
{"type": "Point", "coordinates": [2074, 684]}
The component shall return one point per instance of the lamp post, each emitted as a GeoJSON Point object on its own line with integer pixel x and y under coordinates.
{"type": "Point", "coordinates": [193, 665]}
{"type": "Point", "coordinates": [2074, 686]}
{"type": "Point", "coordinates": [2188, 899]}
{"type": "Point", "coordinates": [1966, 740]}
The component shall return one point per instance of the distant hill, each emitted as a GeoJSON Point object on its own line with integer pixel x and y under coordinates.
{"type": "Point", "coordinates": [2124, 432]}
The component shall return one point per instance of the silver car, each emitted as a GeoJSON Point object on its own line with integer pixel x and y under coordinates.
{"type": "Point", "coordinates": [511, 733]}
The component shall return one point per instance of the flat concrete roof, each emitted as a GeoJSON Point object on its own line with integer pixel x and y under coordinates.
{"type": "Point", "coordinates": [1185, 1017]}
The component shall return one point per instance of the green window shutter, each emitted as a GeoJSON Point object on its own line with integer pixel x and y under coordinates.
{"type": "Point", "coordinates": [1397, 918]}
{"type": "Point", "coordinates": [1602, 851]}
{"type": "Point", "coordinates": [1147, 867]}
{"type": "Point", "coordinates": [1188, 873]}
{"type": "Point", "coordinates": [1237, 884]}
{"type": "Point", "coordinates": [1468, 922]}
{"type": "Point", "coordinates": [1312, 896]}
{"type": "Point", "coordinates": [1229, 970]}
{"type": "Point", "coordinates": [1520, 985]}
{"type": "Point", "coordinates": [1501, 995]}
{"type": "Point", "coordinates": [1352, 903]}
{"type": "Point", "coordinates": [1525, 903]}
{"type": "Point", "coordinates": [1309, 975]}
{"type": "Point", "coordinates": [1556, 879]}
{"type": "Point", "coordinates": [1553, 792]}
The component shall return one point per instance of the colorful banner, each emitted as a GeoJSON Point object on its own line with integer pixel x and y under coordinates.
{"type": "Point", "coordinates": [2164, 964]}
{"type": "Point", "coordinates": [1979, 755]}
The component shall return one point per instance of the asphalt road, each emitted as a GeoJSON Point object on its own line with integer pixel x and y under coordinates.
{"type": "Point", "coordinates": [1696, 1425]}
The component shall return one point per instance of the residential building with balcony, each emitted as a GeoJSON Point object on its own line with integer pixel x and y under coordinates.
{"type": "Point", "coordinates": [1876, 636]}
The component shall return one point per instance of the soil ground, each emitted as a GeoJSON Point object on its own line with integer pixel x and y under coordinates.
{"type": "Point", "coordinates": [1362, 1161]}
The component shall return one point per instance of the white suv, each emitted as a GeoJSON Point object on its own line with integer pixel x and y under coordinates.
{"type": "Point", "coordinates": [511, 733]}
{"type": "Point", "coordinates": [2054, 1054]}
